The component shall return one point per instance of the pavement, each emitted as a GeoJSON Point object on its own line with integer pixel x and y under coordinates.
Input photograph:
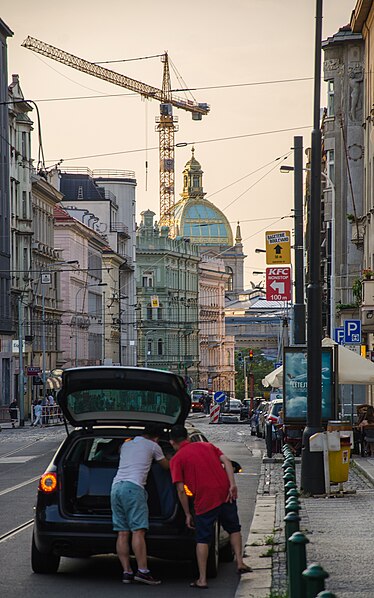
{"type": "Point", "coordinates": [340, 530]}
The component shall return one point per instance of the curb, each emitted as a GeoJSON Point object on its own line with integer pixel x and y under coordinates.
{"type": "Point", "coordinates": [258, 583]}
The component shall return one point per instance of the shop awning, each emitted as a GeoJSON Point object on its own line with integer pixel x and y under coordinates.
{"type": "Point", "coordinates": [352, 368]}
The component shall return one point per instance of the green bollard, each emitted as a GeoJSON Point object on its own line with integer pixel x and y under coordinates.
{"type": "Point", "coordinates": [292, 506]}
{"type": "Point", "coordinates": [292, 524]}
{"type": "Point", "coordinates": [289, 477]}
{"type": "Point", "coordinates": [289, 485]}
{"type": "Point", "coordinates": [314, 577]}
{"type": "Point", "coordinates": [296, 559]}
{"type": "Point", "coordinates": [326, 594]}
{"type": "Point", "coordinates": [292, 493]}
{"type": "Point", "coordinates": [290, 470]}
{"type": "Point", "coordinates": [293, 499]}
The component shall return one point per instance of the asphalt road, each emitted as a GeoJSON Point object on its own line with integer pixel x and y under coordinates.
{"type": "Point", "coordinates": [23, 456]}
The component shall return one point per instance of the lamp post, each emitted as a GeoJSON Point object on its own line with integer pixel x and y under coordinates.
{"type": "Point", "coordinates": [21, 388]}
{"type": "Point", "coordinates": [312, 469]}
{"type": "Point", "coordinates": [46, 279]}
{"type": "Point", "coordinates": [299, 259]}
{"type": "Point", "coordinates": [99, 284]}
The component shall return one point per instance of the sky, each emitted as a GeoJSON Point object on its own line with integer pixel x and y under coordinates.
{"type": "Point", "coordinates": [239, 57]}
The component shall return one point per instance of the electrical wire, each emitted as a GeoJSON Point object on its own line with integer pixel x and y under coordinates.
{"type": "Point", "coordinates": [273, 131]}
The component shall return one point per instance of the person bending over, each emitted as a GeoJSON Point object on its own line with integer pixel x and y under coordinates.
{"type": "Point", "coordinates": [129, 501]}
{"type": "Point", "coordinates": [209, 475]}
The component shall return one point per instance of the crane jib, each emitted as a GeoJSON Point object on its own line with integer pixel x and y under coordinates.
{"type": "Point", "coordinates": [100, 72]}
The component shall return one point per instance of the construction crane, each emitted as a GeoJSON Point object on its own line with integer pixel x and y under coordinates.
{"type": "Point", "coordinates": [166, 122]}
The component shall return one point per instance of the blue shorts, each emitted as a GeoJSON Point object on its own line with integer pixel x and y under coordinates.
{"type": "Point", "coordinates": [227, 513]}
{"type": "Point", "coordinates": [129, 507]}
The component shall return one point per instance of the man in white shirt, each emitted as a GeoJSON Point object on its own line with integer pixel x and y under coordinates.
{"type": "Point", "coordinates": [129, 501]}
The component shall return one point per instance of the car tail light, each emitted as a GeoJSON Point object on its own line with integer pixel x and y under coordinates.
{"type": "Point", "coordinates": [48, 483]}
{"type": "Point", "coordinates": [272, 419]}
{"type": "Point", "coordinates": [187, 490]}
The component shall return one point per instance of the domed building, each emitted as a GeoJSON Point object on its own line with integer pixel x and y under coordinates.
{"type": "Point", "coordinates": [199, 220]}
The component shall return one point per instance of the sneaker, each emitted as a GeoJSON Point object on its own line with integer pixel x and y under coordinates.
{"type": "Point", "coordinates": [127, 577]}
{"type": "Point", "coordinates": [146, 578]}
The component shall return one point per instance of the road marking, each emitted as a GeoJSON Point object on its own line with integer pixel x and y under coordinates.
{"type": "Point", "coordinates": [15, 531]}
{"type": "Point", "coordinates": [13, 488]}
{"type": "Point", "coordinates": [19, 459]}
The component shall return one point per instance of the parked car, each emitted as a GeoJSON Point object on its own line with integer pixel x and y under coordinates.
{"type": "Point", "coordinates": [233, 406]}
{"type": "Point", "coordinates": [245, 408]}
{"type": "Point", "coordinates": [107, 406]}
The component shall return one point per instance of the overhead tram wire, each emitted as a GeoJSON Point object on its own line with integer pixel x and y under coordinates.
{"type": "Point", "coordinates": [274, 131]}
{"type": "Point", "coordinates": [185, 89]}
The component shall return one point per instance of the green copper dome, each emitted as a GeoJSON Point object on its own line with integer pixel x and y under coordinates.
{"type": "Point", "coordinates": [196, 217]}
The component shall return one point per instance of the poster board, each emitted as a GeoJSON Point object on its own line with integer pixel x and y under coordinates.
{"type": "Point", "coordinates": [295, 385]}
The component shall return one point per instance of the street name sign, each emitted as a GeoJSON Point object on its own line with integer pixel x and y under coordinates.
{"type": "Point", "coordinates": [278, 284]}
{"type": "Point", "coordinates": [278, 247]}
{"type": "Point", "coordinates": [219, 397]}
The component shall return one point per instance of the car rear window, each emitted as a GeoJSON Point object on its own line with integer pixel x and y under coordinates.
{"type": "Point", "coordinates": [106, 403]}
{"type": "Point", "coordinates": [276, 409]}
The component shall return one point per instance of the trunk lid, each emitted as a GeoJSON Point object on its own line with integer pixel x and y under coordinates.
{"type": "Point", "coordinates": [118, 396]}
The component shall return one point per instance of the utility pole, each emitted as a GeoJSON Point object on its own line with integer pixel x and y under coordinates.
{"type": "Point", "coordinates": [21, 384]}
{"type": "Point", "coordinates": [299, 305]}
{"type": "Point", "coordinates": [312, 470]}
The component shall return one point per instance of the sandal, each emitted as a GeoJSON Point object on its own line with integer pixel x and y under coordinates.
{"type": "Point", "coordinates": [244, 569]}
{"type": "Point", "coordinates": [194, 584]}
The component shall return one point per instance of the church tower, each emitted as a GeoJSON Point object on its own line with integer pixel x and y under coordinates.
{"type": "Point", "coordinates": [199, 220]}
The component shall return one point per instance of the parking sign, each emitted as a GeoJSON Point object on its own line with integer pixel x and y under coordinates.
{"type": "Point", "coordinates": [339, 335]}
{"type": "Point", "coordinates": [352, 332]}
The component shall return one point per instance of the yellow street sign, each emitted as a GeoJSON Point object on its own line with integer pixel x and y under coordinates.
{"type": "Point", "coordinates": [154, 301]}
{"type": "Point", "coordinates": [278, 247]}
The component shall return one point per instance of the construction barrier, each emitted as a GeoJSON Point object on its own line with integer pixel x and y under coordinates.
{"type": "Point", "coordinates": [214, 414]}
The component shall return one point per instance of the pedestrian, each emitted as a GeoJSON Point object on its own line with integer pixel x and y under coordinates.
{"type": "Point", "coordinates": [207, 401]}
{"type": "Point", "coordinates": [129, 501]}
{"type": "Point", "coordinates": [13, 412]}
{"type": "Point", "coordinates": [209, 475]}
{"type": "Point", "coordinates": [38, 410]}
{"type": "Point", "coordinates": [51, 400]}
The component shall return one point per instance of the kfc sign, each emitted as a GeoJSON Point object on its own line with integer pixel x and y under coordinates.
{"type": "Point", "coordinates": [278, 284]}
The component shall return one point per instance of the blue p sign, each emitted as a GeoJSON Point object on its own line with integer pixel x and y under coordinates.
{"type": "Point", "coordinates": [339, 336]}
{"type": "Point", "coordinates": [352, 332]}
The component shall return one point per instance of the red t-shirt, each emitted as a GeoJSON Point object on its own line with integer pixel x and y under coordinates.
{"type": "Point", "coordinates": [198, 465]}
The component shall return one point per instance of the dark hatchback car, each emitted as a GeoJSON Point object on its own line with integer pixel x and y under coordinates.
{"type": "Point", "coordinates": [107, 406]}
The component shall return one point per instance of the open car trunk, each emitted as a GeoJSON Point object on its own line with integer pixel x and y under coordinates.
{"type": "Point", "coordinates": [87, 476]}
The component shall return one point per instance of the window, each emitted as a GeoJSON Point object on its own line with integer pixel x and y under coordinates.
{"type": "Point", "coordinates": [159, 313]}
{"type": "Point", "coordinates": [196, 180]}
{"type": "Point", "coordinates": [24, 204]}
{"type": "Point", "coordinates": [149, 312]}
{"type": "Point", "coordinates": [330, 155]}
{"type": "Point", "coordinates": [160, 346]}
{"type": "Point", "coordinates": [147, 279]}
{"type": "Point", "coordinates": [330, 98]}
{"type": "Point", "coordinates": [149, 347]}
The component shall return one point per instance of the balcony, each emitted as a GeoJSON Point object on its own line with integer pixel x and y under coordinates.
{"type": "Point", "coordinates": [119, 227]}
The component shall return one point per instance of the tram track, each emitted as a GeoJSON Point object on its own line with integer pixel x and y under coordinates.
{"type": "Point", "coordinates": [23, 447]}
{"type": "Point", "coordinates": [16, 530]}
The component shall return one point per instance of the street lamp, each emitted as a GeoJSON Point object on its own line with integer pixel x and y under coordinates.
{"type": "Point", "coordinates": [99, 284]}
{"type": "Point", "coordinates": [46, 279]}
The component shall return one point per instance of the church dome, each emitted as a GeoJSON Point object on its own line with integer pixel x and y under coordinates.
{"type": "Point", "coordinates": [197, 218]}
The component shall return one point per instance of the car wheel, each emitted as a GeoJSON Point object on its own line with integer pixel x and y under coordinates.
{"type": "Point", "coordinates": [213, 556]}
{"type": "Point", "coordinates": [43, 563]}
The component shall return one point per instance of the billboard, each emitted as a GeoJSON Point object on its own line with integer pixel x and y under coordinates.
{"type": "Point", "coordinates": [295, 384]}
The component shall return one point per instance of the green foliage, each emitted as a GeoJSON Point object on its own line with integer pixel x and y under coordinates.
{"type": "Point", "coordinates": [259, 367]}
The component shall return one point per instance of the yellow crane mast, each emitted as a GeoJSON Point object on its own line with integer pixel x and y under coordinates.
{"type": "Point", "coordinates": [166, 122]}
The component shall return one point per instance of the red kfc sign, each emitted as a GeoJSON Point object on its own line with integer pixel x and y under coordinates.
{"type": "Point", "coordinates": [278, 284]}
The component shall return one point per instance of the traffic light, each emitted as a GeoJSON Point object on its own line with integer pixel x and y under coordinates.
{"type": "Point", "coordinates": [250, 354]}
{"type": "Point", "coordinates": [240, 356]}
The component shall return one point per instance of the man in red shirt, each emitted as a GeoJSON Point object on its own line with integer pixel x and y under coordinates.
{"type": "Point", "coordinates": [209, 475]}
